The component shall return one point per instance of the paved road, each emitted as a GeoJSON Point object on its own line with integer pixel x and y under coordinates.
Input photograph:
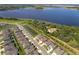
{"type": "Point", "coordinates": [44, 52]}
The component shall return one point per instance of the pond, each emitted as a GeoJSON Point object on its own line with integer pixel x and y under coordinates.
{"type": "Point", "coordinates": [55, 15]}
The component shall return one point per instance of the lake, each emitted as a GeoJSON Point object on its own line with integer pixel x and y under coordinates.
{"type": "Point", "coordinates": [55, 15]}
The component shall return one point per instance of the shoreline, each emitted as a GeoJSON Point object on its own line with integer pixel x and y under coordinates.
{"type": "Point", "coordinates": [46, 21]}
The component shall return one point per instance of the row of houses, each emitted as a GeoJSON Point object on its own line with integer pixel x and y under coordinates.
{"type": "Point", "coordinates": [28, 47]}
{"type": "Point", "coordinates": [1, 43]}
{"type": "Point", "coordinates": [8, 45]}
{"type": "Point", "coordinates": [50, 46]}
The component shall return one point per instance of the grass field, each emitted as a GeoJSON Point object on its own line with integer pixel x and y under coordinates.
{"type": "Point", "coordinates": [31, 31]}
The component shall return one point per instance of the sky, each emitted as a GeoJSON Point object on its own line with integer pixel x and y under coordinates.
{"type": "Point", "coordinates": [39, 1]}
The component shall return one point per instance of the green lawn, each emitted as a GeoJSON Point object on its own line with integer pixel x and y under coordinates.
{"type": "Point", "coordinates": [31, 31]}
{"type": "Point", "coordinates": [19, 46]}
{"type": "Point", "coordinates": [73, 43]}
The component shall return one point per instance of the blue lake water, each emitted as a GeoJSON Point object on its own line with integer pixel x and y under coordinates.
{"type": "Point", "coordinates": [55, 15]}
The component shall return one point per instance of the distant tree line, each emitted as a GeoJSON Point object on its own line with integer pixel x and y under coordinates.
{"type": "Point", "coordinates": [8, 18]}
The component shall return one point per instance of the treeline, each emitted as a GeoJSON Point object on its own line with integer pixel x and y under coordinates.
{"type": "Point", "coordinates": [10, 7]}
{"type": "Point", "coordinates": [3, 8]}
{"type": "Point", "coordinates": [9, 18]}
{"type": "Point", "coordinates": [39, 7]}
{"type": "Point", "coordinates": [77, 8]}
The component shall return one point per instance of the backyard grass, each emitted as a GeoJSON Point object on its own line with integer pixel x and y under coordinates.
{"type": "Point", "coordinates": [73, 43]}
{"type": "Point", "coordinates": [19, 46]}
{"type": "Point", "coordinates": [31, 31]}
